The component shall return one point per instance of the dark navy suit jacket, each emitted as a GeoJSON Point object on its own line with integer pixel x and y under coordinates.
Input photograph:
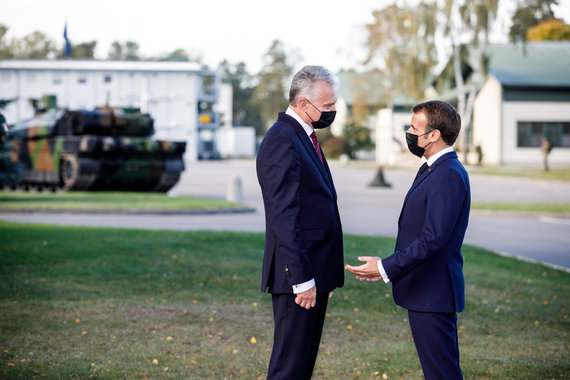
{"type": "Point", "coordinates": [303, 238]}
{"type": "Point", "coordinates": [426, 269]}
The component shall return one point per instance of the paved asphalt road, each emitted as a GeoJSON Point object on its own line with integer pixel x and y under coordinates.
{"type": "Point", "coordinates": [364, 210]}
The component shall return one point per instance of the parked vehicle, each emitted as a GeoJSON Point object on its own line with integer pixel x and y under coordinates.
{"type": "Point", "coordinates": [103, 149]}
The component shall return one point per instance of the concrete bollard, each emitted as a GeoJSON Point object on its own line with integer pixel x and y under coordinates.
{"type": "Point", "coordinates": [344, 159]}
{"type": "Point", "coordinates": [235, 191]}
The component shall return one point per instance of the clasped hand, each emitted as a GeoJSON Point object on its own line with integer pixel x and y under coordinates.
{"type": "Point", "coordinates": [367, 271]}
{"type": "Point", "coordinates": [308, 299]}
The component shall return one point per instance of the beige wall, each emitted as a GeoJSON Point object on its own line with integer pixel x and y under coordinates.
{"type": "Point", "coordinates": [495, 127]}
{"type": "Point", "coordinates": [487, 121]}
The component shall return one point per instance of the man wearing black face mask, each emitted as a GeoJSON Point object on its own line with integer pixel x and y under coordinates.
{"type": "Point", "coordinates": [426, 268]}
{"type": "Point", "coordinates": [303, 259]}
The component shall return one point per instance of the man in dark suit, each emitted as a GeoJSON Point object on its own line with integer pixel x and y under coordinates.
{"type": "Point", "coordinates": [426, 268]}
{"type": "Point", "coordinates": [303, 259]}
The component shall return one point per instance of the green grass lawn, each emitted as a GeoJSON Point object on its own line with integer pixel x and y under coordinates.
{"type": "Point", "coordinates": [554, 174]}
{"type": "Point", "coordinates": [131, 304]}
{"type": "Point", "coordinates": [107, 201]}
{"type": "Point", "coordinates": [551, 208]}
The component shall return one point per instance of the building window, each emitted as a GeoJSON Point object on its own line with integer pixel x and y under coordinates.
{"type": "Point", "coordinates": [107, 78]}
{"type": "Point", "coordinates": [530, 133]}
{"type": "Point", "coordinates": [56, 80]}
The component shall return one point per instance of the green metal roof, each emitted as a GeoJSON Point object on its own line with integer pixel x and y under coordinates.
{"type": "Point", "coordinates": [538, 64]}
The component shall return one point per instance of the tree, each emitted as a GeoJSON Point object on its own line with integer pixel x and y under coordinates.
{"type": "Point", "coordinates": [528, 14]}
{"type": "Point", "coordinates": [468, 22]}
{"type": "Point", "coordinates": [270, 95]}
{"type": "Point", "coordinates": [33, 45]}
{"type": "Point", "coordinates": [401, 43]}
{"type": "Point", "coordinates": [131, 51]}
{"type": "Point", "coordinates": [357, 138]}
{"type": "Point", "coordinates": [550, 30]}
{"type": "Point", "coordinates": [178, 55]}
{"type": "Point", "coordinates": [244, 111]}
{"type": "Point", "coordinates": [83, 50]}
{"type": "Point", "coordinates": [5, 48]}
{"type": "Point", "coordinates": [128, 51]}
{"type": "Point", "coordinates": [116, 51]}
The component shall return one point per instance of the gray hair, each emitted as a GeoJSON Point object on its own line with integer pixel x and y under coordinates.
{"type": "Point", "coordinates": [303, 84]}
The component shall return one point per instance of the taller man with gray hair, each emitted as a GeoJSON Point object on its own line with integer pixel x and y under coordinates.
{"type": "Point", "coordinates": [303, 259]}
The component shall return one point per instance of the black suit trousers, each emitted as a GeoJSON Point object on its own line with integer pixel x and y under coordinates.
{"type": "Point", "coordinates": [435, 337]}
{"type": "Point", "coordinates": [296, 338]}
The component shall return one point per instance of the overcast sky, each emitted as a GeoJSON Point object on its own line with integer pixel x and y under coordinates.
{"type": "Point", "coordinates": [327, 32]}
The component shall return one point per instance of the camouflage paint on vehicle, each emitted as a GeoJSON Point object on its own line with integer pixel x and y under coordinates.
{"type": "Point", "coordinates": [10, 170]}
{"type": "Point", "coordinates": [103, 149]}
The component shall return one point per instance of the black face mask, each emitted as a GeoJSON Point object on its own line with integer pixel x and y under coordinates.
{"type": "Point", "coordinates": [412, 141]}
{"type": "Point", "coordinates": [326, 119]}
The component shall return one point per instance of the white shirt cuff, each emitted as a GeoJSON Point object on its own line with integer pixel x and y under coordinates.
{"type": "Point", "coordinates": [300, 288]}
{"type": "Point", "coordinates": [383, 272]}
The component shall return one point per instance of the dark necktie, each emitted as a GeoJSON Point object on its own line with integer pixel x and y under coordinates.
{"type": "Point", "coordinates": [317, 146]}
{"type": "Point", "coordinates": [423, 168]}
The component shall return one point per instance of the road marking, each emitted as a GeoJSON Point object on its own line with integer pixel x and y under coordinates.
{"type": "Point", "coordinates": [547, 219]}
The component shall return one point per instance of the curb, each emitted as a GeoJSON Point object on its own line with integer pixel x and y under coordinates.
{"type": "Point", "coordinates": [521, 214]}
{"type": "Point", "coordinates": [131, 212]}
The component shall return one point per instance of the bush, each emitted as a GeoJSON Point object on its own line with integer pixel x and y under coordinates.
{"type": "Point", "coordinates": [335, 146]}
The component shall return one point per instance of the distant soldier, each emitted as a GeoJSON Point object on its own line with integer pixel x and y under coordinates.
{"type": "Point", "coordinates": [546, 147]}
{"type": "Point", "coordinates": [3, 130]}
{"type": "Point", "coordinates": [479, 151]}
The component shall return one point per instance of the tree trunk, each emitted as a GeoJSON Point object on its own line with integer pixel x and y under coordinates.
{"type": "Point", "coordinates": [460, 85]}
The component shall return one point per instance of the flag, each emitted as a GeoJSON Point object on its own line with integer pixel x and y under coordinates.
{"type": "Point", "coordinates": [67, 49]}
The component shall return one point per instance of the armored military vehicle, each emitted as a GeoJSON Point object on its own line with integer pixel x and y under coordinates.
{"type": "Point", "coordinates": [10, 171]}
{"type": "Point", "coordinates": [103, 149]}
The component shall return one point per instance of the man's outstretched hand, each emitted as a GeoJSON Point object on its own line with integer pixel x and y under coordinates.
{"type": "Point", "coordinates": [367, 271]}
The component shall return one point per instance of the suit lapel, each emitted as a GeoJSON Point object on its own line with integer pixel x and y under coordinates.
{"type": "Point", "coordinates": [424, 175]}
{"type": "Point", "coordinates": [416, 183]}
{"type": "Point", "coordinates": [311, 151]}
{"type": "Point", "coordinates": [310, 148]}
{"type": "Point", "coordinates": [329, 175]}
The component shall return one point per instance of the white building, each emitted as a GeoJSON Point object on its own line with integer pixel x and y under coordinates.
{"type": "Point", "coordinates": [363, 93]}
{"type": "Point", "coordinates": [526, 96]}
{"type": "Point", "coordinates": [180, 96]}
